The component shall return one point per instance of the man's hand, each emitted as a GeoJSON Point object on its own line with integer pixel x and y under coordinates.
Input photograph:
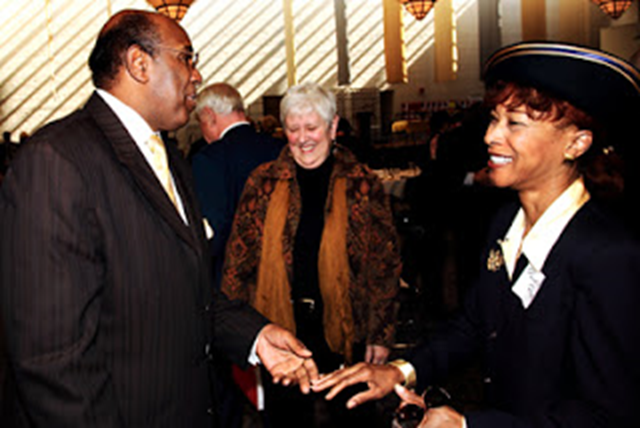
{"type": "Point", "coordinates": [379, 378]}
{"type": "Point", "coordinates": [286, 358]}
{"type": "Point", "coordinates": [376, 354]}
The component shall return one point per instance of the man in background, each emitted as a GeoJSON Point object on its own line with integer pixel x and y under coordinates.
{"type": "Point", "coordinates": [4, 149]}
{"type": "Point", "coordinates": [221, 168]}
{"type": "Point", "coordinates": [109, 314]}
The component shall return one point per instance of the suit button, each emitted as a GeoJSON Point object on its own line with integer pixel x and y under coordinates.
{"type": "Point", "coordinates": [210, 411]}
{"type": "Point", "coordinates": [487, 380]}
{"type": "Point", "coordinates": [493, 335]}
{"type": "Point", "coordinates": [207, 308]}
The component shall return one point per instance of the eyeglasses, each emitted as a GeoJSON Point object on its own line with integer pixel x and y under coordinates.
{"type": "Point", "coordinates": [189, 58]}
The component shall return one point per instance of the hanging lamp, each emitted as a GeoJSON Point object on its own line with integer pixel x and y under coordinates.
{"type": "Point", "coordinates": [418, 8]}
{"type": "Point", "coordinates": [174, 9]}
{"type": "Point", "coordinates": [613, 8]}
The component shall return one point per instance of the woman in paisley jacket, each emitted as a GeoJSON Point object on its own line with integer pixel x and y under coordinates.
{"type": "Point", "coordinates": [313, 246]}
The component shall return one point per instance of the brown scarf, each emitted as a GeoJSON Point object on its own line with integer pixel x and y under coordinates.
{"type": "Point", "coordinates": [273, 292]}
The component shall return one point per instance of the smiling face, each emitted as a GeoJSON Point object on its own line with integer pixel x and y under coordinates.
{"type": "Point", "coordinates": [310, 138]}
{"type": "Point", "coordinates": [529, 153]}
{"type": "Point", "coordinates": [173, 78]}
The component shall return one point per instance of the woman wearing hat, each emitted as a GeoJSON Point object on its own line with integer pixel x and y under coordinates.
{"type": "Point", "coordinates": [555, 313]}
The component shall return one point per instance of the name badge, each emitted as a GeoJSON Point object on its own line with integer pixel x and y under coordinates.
{"type": "Point", "coordinates": [528, 285]}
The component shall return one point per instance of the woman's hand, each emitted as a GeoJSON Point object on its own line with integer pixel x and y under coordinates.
{"type": "Point", "coordinates": [376, 354]}
{"type": "Point", "coordinates": [442, 417]}
{"type": "Point", "coordinates": [436, 417]}
{"type": "Point", "coordinates": [379, 379]}
{"type": "Point", "coordinates": [409, 398]}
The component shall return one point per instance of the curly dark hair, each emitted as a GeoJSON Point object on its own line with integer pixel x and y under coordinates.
{"type": "Point", "coordinates": [538, 103]}
{"type": "Point", "coordinates": [119, 34]}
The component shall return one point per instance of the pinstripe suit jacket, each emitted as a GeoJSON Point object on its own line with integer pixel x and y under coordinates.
{"type": "Point", "coordinates": [106, 297]}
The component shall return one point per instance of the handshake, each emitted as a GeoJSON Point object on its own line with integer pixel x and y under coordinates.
{"type": "Point", "coordinates": [290, 362]}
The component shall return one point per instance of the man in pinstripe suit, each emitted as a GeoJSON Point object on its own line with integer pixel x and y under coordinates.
{"type": "Point", "coordinates": [108, 309]}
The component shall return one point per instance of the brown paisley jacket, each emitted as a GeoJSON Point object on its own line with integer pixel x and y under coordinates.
{"type": "Point", "coordinates": [372, 243]}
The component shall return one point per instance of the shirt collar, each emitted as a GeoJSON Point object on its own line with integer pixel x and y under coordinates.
{"type": "Point", "coordinates": [538, 243]}
{"type": "Point", "coordinates": [232, 126]}
{"type": "Point", "coordinates": [137, 127]}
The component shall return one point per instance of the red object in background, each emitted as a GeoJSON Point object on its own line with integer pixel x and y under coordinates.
{"type": "Point", "coordinates": [248, 382]}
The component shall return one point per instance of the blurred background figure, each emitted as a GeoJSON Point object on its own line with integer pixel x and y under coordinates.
{"type": "Point", "coordinates": [6, 140]}
{"type": "Point", "coordinates": [313, 245]}
{"type": "Point", "coordinates": [453, 202]}
{"type": "Point", "coordinates": [221, 168]}
{"type": "Point", "coordinates": [346, 137]}
{"type": "Point", "coordinates": [270, 125]}
{"type": "Point", "coordinates": [24, 136]}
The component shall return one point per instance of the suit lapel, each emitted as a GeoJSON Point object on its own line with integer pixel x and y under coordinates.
{"type": "Point", "coordinates": [185, 188]}
{"type": "Point", "coordinates": [504, 299]}
{"type": "Point", "coordinates": [131, 158]}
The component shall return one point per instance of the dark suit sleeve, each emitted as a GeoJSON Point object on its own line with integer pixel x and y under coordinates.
{"type": "Point", "coordinates": [52, 279]}
{"type": "Point", "coordinates": [236, 326]}
{"type": "Point", "coordinates": [211, 190]}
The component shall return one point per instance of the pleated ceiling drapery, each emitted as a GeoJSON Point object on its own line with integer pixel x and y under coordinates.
{"type": "Point", "coordinates": [534, 19]}
{"type": "Point", "coordinates": [574, 18]}
{"type": "Point", "coordinates": [289, 41]}
{"type": "Point", "coordinates": [394, 49]}
{"type": "Point", "coordinates": [444, 58]}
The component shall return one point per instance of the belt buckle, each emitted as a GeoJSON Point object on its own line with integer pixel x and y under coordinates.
{"type": "Point", "coordinates": [310, 303]}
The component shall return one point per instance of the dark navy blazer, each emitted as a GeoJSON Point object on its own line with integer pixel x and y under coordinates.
{"type": "Point", "coordinates": [572, 359]}
{"type": "Point", "coordinates": [220, 171]}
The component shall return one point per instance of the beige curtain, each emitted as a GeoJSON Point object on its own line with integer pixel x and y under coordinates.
{"type": "Point", "coordinates": [534, 20]}
{"type": "Point", "coordinates": [574, 21]}
{"type": "Point", "coordinates": [289, 41]}
{"type": "Point", "coordinates": [445, 47]}
{"type": "Point", "coordinates": [394, 51]}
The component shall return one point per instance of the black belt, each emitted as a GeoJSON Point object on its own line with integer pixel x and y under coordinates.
{"type": "Point", "coordinates": [306, 309]}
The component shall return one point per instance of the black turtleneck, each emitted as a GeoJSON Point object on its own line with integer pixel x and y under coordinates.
{"type": "Point", "coordinates": [314, 188]}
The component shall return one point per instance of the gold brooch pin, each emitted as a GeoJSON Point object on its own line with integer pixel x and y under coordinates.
{"type": "Point", "coordinates": [495, 260]}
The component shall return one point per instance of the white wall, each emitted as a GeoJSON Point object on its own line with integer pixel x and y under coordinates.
{"type": "Point", "coordinates": [44, 46]}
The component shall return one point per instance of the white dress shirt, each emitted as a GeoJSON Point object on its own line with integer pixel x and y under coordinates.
{"type": "Point", "coordinates": [537, 244]}
{"type": "Point", "coordinates": [140, 131]}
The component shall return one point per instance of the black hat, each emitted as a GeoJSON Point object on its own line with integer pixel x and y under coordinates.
{"type": "Point", "coordinates": [599, 83]}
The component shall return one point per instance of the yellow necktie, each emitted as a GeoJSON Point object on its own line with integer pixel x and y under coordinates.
{"type": "Point", "coordinates": [160, 165]}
